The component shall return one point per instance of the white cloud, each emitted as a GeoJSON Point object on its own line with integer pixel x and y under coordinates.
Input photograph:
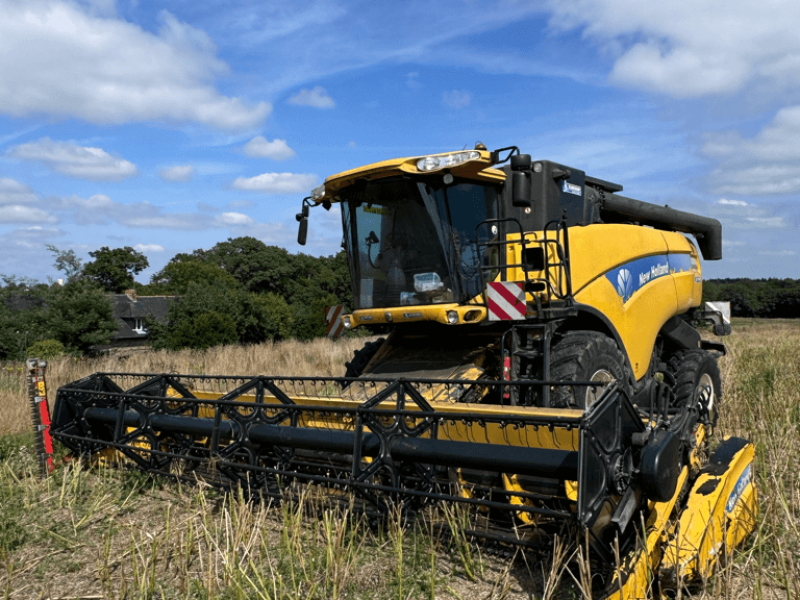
{"type": "Point", "coordinates": [316, 97]}
{"type": "Point", "coordinates": [412, 79]}
{"type": "Point", "coordinates": [58, 58]}
{"type": "Point", "coordinates": [260, 147]}
{"type": "Point", "coordinates": [100, 210]}
{"type": "Point", "coordinates": [16, 200]}
{"type": "Point", "coordinates": [14, 213]}
{"type": "Point", "coordinates": [766, 164]}
{"type": "Point", "coordinates": [13, 192]}
{"type": "Point", "coordinates": [456, 99]}
{"type": "Point", "coordinates": [727, 202]}
{"type": "Point", "coordinates": [778, 252]}
{"type": "Point", "coordinates": [691, 48]}
{"type": "Point", "coordinates": [75, 161]}
{"type": "Point", "coordinates": [234, 218]}
{"type": "Point", "coordinates": [770, 222]}
{"type": "Point", "coordinates": [149, 248]}
{"type": "Point", "coordinates": [277, 183]}
{"type": "Point", "coordinates": [177, 173]}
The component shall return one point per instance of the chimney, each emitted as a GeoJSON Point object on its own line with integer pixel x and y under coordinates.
{"type": "Point", "coordinates": [131, 294]}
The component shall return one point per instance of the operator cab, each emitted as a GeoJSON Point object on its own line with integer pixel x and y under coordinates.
{"type": "Point", "coordinates": [413, 240]}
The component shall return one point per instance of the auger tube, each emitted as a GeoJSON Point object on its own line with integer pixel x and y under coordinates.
{"type": "Point", "coordinates": [708, 231]}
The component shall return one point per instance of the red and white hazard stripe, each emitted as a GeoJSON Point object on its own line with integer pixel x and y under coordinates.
{"type": "Point", "coordinates": [335, 326]}
{"type": "Point", "coordinates": [506, 301]}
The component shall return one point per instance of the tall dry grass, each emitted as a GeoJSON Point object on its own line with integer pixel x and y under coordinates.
{"type": "Point", "coordinates": [111, 534]}
{"type": "Point", "coordinates": [321, 357]}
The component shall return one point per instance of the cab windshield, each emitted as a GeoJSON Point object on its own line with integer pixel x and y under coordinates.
{"type": "Point", "coordinates": [413, 241]}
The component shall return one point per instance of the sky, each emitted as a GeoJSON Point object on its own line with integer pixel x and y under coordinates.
{"type": "Point", "coordinates": [171, 126]}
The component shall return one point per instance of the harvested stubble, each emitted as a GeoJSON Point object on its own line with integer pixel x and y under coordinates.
{"type": "Point", "coordinates": [114, 534]}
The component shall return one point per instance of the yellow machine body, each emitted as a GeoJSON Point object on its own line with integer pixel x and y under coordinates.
{"type": "Point", "coordinates": [673, 286]}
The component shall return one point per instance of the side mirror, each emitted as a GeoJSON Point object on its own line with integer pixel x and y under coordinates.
{"type": "Point", "coordinates": [521, 180]}
{"type": "Point", "coordinates": [302, 232]}
{"type": "Point", "coordinates": [302, 218]}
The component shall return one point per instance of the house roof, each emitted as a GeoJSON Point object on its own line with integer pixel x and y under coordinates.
{"type": "Point", "coordinates": [128, 307]}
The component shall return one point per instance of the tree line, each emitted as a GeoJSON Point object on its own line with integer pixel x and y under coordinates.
{"type": "Point", "coordinates": [239, 291]}
{"type": "Point", "coordinates": [761, 298]}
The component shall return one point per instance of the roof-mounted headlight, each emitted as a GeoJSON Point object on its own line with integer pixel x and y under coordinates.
{"type": "Point", "coordinates": [434, 163]}
{"type": "Point", "coordinates": [318, 193]}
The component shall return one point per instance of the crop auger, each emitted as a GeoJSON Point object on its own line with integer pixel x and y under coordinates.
{"type": "Point", "coordinates": [543, 368]}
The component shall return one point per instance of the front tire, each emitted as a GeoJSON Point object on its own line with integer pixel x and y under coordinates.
{"type": "Point", "coordinates": [585, 356]}
{"type": "Point", "coordinates": [361, 358]}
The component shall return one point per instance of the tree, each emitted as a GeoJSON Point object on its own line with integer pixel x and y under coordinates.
{"type": "Point", "coordinates": [206, 330]}
{"type": "Point", "coordinates": [176, 277]}
{"type": "Point", "coordinates": [80, 316]}
{"type": "Point", "coordinates": [258, 267]}
{"type": "Point", "coordinates": [114, 269]}
{"type": "Point", "coordinates": [255, 318]}
{"type": "Point", "coordinates": [66, 261]}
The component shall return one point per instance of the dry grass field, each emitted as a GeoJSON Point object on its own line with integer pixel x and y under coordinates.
{"type": "Point", "coordinates": [107, 533]}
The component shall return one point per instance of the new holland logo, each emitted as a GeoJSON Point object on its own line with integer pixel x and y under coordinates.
{"type": "Point", "coordinates": [629, 278]}
{"type": "Point", "coordinates": [624, 284]}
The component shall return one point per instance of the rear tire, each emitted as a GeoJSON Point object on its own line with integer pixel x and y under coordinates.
{"type": "Point", "coordinates": [584, 356]}
{"type": "Point", "coordinates": [697, 382]}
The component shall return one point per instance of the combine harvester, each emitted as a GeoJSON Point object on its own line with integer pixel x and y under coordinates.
{"type": "Point", "coordinates": [543, 367]}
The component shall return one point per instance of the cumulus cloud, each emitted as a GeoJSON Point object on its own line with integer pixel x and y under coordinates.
{"type": "Point", "coordinates": [766, 164]}
{"type": "Point", "coordinates": [234, 218]}
{"type": "Point", "coordinates": [736, 214]}
{"type": "Point", "coordinates": [60, 58]}
{"type": "Point", "coordinates": [177, 173]}
{"type": "Point", "coordinates": [316, 97]}
{"type": "Point", "coordinates": [149, 248]}
{"type": "Point", "coordinates": [260, 147]}
{"type": "Point", "coordinates": [690, 48]}
{"type": "Point", "coordinates": [277, 183]}
{"type": "Point", "coordinates": [75, 161]}
{"type": "Point", "coordinates": [17, 202]}
{"type": "Point", "coordinates": [13, 192]}
{"type": "Point", "coordinates": [14, 213]}
{"type": "Point", "coordinates": [101, 210]}
{"type": "Point", "coordinates": [456, 99]}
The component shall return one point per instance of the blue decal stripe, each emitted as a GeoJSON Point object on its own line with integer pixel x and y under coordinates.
{"type": "Point", "coordinates": [629, 278]}
{"type": "Point", "coordinates": [679, 263]}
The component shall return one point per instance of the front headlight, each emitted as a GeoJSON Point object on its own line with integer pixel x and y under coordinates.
{"type": "Point", "coordinates": [318, 193]}
{"type": "Point", "coordinates": [434, 163]}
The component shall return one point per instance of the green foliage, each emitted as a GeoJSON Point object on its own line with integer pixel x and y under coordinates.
{"type": "Point", "coordinates": [253, 318]}
{"type": "Point", "coordinates": [46, 349]}
{"type": "Point", "coordinates": [114, 268]}
{"type": "Point", "coordinates": [765, 298]}
{"type": "Point", "coordinates": [80, 316]}
{"type": "Point", "coordinates": [258, 267]}
{"type": "Point", "coordinates": [269, 293]}
{"type": "Point", "coordinates": [23, 318]}
{"type": "Point", "coordinates": [176, 277]}
{"type": "Point", "coordinates": [204, 331]}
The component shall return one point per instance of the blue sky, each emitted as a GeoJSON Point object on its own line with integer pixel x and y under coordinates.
{"type": "Point", "coordinates": [170, 126]}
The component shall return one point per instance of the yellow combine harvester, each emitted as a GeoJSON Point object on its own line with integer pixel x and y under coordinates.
{"type": "Point", "coordinates": [543, 367]}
